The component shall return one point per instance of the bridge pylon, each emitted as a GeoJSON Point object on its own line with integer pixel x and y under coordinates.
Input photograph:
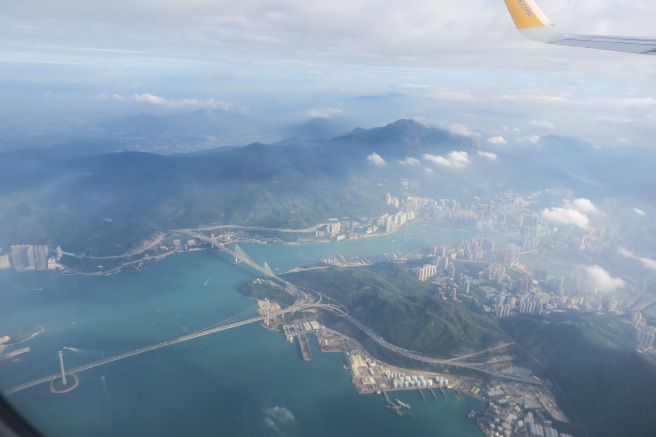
{"type": "Point", "coordinates": [266, 319]}
{"type": "Point", "coordinates": [63, 385]}
{"type": "Point", "coordinates": [268, 271]}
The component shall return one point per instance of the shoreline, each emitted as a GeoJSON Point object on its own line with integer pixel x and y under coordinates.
{"type": "Point", "coordinates": [66, 270]}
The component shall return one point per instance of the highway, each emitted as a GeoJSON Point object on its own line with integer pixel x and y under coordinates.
{"type": "Point", "coordinates": [336, 307]}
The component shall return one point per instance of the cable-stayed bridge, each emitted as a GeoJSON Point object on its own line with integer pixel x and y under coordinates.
{"type": "Point", "coordinates": [304, 299]}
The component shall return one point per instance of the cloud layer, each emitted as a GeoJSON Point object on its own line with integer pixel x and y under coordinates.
{"type": "Point", "coordinates": [573, 213]}
{"type": "Point", "coordinates": [455, 159]}
{"type": "Point", "coordinates": [151, 99]}
{"type": "Point", "coordinates": [647, 263]}
{"type": "Point", "coordinates": [376, 159]}
{"type": "Point", "coordinates": [566, 216]}
{"type": "Point", "coordinates": [602, 280]}
{"type": "Point", "coordinates": [279, 420]}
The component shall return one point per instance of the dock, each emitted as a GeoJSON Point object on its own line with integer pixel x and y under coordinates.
{"type": "Point", "coordinates": [305, 347]}
{"type": "Point", "coordinates": [397, 407]}
{"type": "Point", "coordinates": [423, 396]}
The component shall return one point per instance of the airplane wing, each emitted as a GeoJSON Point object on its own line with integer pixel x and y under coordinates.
{"type": "Point", "coordinates": [533, 24]}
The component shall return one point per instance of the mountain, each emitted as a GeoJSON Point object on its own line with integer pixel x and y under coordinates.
{"type": "Point", "coordinates": [403, 310]}
{"type": "Point", "coordinates": [63, 194]}
{"type": "Point", "coordinates": [404, 138]}
{"type": "Point", "coordinates": [202, 121]}
{"type": "Point", "coordinates": [319, 128]}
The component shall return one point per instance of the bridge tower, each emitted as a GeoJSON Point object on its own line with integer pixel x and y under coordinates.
{"type": "Point", "coordinates": [268, 271]}
{"type": "Point", "coordinates": [62, 385]}
{"type": "Point", "coordinates": [61, 365]}
{"type": "Point", "coordinates": [266, 319]}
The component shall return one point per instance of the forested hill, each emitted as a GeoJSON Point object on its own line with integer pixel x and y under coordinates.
{"type": "Point", "coordinates": [607, 385]}
{"type": "Point", "coordinates": [402, 309]}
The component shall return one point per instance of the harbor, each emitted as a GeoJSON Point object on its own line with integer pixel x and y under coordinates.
{"type": "Point", "coordinates": [369, 375]}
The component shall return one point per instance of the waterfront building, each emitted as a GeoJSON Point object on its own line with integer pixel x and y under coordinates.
{"type": "Point", "coordinates": [22, 257]}
{"type": "Point", "coordinates": [4, 262]}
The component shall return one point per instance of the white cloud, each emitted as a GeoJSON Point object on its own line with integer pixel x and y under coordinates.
{"type": "Point", "coordinates": [585, 179]}
{"type": "Point", "coordinates": [151, 99]}
{"type": "Point", "coordinates": [279, 419]}
{"type": "Point", "coordinates": [463, 130]}
{"type": "Point", "coordinates": [497, 140]}
{"type": "Point", "coordinates": [602, 280]}
{"type": "Point", "coordinates": [541, 124]}
{"type": "Point", "coordinates": [583, 205]}
{"type": "Point", "coordinates": [453, 159]}
{"type": "Point", "coordinates": [459, 159]}
{"type": "Point", "coordinates": [453, 96]}
{"type": "Point", "coordinates": [324, 113]}
{"type": "Point", "coordinates": [411, 86]}
{"type": "Point", "coordinates": [439, 160]}
{"type": "Point", "coordinates": [639, 212]}
{"type": "Point", "coordinates": [376, 160]}
{"type": "Point", "coordinates": [410, 161]}
{"type": "Point", "coordinates": [566, 216]}
{"type": "Point", "coordinates": [488, 155]}
{"type": "Point", "coordinates": [533, 139]}
{"type": "Point", "coordinates": [646, 262]}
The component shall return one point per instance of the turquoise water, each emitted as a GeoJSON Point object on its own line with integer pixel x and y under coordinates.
{"type": "Point", "coordinates": [242, 382]}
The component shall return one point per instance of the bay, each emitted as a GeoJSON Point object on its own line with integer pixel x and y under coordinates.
{"type": "Point", "coordinates": [242, 382]}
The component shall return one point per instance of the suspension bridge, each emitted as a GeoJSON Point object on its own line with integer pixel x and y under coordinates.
{"type": "Point", "coordinates": [304, 299]}
{"type": "Point", "coordinates": [250, 315]}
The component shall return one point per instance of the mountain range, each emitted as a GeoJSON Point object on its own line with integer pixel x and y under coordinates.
{"type": "Point", "coordinates": [95, 196]}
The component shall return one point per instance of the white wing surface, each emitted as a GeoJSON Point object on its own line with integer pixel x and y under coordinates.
{"type": "Point", "coordinates": [533, 24]}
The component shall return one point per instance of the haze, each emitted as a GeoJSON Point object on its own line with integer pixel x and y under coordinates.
{"type": "Point", "coordinates": [462, 66]}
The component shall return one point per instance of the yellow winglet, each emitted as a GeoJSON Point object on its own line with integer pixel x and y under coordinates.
{"type": "Point", "coordinates": [526, 14]}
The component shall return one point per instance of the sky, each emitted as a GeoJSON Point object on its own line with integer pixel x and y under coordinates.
{"type": "Point", "coordinates": [459, 65]}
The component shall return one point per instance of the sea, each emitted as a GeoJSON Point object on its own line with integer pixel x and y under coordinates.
{"type": "Point", "coordinates": [245, 381]}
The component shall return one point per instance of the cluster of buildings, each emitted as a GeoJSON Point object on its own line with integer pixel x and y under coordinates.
{"type": "Point", "coordinates": [645, 335]}
{"type": "Point", "coordinates": [501, 422]}
{"type": "Point", "coordinates": [27, 257]}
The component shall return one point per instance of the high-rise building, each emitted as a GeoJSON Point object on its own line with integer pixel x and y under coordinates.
{"type": "Point", "coordinates": [41, 257]}
{"type": "Point", "coordinates": [451, 270]}
{"type": "Point", "coordinates": [22, 257]}
{"type": "Point", "coordinates": [425, 272]}
{"type": "Point", "coordinates": [4, 262]}
{"type": "Point", "coordinates": [27, 257]}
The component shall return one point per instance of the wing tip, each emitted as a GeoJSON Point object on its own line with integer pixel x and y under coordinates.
{"type": "Point", "coordinates": [526, 14]}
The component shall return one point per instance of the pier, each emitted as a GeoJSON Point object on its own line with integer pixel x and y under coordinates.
{"type": "Point", "coordinates": [423, 396]}
{"type": "Point", "coordinates": [442, 390]}
{"type": "Point", "coordinates": [432, 392]}
{"type": "Point", "coordinates": [305, 347]}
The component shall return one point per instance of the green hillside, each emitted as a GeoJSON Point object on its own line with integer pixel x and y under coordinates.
{"type": "Point", "coordinates": [402, 309]}
{"type": "Point", "coordinates": [606, 385]}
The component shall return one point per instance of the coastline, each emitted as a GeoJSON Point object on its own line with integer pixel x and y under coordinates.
{"type": "Point", "coordinates": [149, 244]}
